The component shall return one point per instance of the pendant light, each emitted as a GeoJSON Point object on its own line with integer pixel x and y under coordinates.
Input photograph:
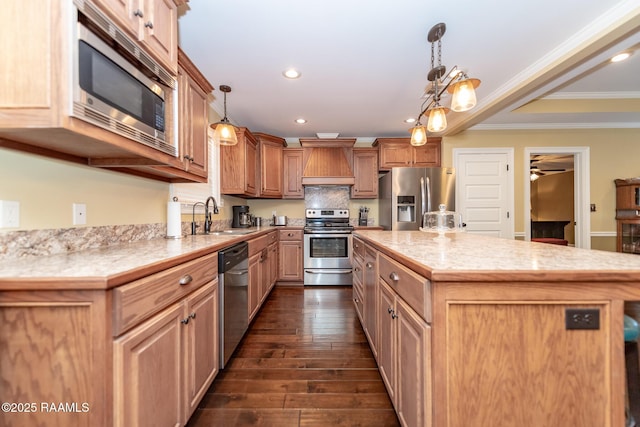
{"type": "Point", "coordinates": [456, 82]}
{"type": "Point", "coordinates": [464, 94]}
{"type": "Point", "coordinates": [224, 132]}
{"type": "Point", "coordinates": [418, 135]}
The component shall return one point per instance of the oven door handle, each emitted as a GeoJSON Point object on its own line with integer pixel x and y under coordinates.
{"type": "Point", "coordinates": [332, 271]}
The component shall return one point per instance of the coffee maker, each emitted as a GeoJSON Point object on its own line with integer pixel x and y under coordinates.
{"type": "Point", "coordinates": [241, 217]}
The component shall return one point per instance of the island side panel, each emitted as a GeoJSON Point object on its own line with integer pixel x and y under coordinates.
{"type": "Point", "coordinates": [502, 355]}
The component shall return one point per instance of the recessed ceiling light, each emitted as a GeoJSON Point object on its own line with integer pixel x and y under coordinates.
{"type": "Point", "coordinates": [620, 57]}
{"type": "Point", "coordinates": [291, 73]}
{"type": "Point", "coordinates": [301, 121]}
{"type": "Point", "coordinates": [410, 120]}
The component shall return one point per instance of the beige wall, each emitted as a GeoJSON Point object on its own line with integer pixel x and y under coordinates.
{"type": "Point", "coordinates": [47, 188]}
{"type": "Point", "coordinates": [614, 154]}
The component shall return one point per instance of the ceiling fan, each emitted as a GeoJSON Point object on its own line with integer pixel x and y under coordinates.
{"type": "Point", "coordinates": [541, 165]}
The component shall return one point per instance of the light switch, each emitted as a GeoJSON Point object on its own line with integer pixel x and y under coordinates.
{"type": "Point", "coordinates": [79, 214]}
{"type": "Point", "coordinates": [9, 214]}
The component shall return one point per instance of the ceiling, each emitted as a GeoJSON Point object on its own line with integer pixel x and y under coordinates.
{"type": "Point", "coordinates": [364, 64]}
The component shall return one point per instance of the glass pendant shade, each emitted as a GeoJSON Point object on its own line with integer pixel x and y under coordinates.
{"type": "Point", "coordinates": [225, 134]}
{"type": "Point", "coordinates": [418, 135]}
{"type": "Point", "coordinates": [437, 119]}
{"type": "Point", "coordinates": [464, 95]}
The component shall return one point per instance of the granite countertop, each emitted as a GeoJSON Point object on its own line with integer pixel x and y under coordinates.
{"type": "Point", "coordinates": [110, 266]}
{"type": "Point", "coordinates": [465, 256]}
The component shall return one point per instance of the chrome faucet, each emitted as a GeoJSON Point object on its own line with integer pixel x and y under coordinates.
{"type": "Point", "coordinates": [207, 214]}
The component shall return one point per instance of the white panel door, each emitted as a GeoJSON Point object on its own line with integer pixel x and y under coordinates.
{"type": "Point", "coordinates": [484, 190]}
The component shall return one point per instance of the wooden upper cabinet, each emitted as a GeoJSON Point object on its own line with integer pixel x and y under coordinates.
{"type": "Point", "coordinates": [292, 173]}
{"type": "Point", "coordinates": [271, 174]}
{"type": "Point", "coordinates": [238, 165]}
{"type": "Point", "coordinates": [365, 170]}
{"type": "Point", "coordinates": [193, 90]}
{"type": "Point", "coordinates": [154, 23]}
{"type": "Point", "coordinates": [398, 152]}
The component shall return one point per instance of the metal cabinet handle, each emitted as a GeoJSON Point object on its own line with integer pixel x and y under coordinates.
{"type": "Point", "coordinates": [138, 13]}
{"type": "Point", "coordinates": [290, 234]}
{"type": "Point", "coordinates": [186, 279]}
{"type": "Point", "coordinates": [389, 310]}
{"type": "Point", "coordinates": [185, 321]}
{"type": "Point", "coordinates": [369, 265]}
{"type": "Point", "coordinates": [149, 25]}
{"type": "Point", "coordinates": [394, 276]}
{"type": "Point", "coordinates": [394, 315]}
{"type": "Point", "coordinates": [356, 269]}
{"type": "Point", "coordinates": [193, 315]}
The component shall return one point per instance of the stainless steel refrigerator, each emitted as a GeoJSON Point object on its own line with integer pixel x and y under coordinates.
{"type": "Point", "coordinates": [406, 193]}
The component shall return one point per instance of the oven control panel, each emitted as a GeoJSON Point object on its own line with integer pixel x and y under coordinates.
{"type": "Point", "coordinates": [327, 213]}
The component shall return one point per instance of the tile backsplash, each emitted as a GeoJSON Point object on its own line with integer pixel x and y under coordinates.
{"type": "Point", "coordinates": [336, 197]}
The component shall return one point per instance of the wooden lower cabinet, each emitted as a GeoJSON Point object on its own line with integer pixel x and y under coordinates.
{"type": "Point", "coordinates": [140, 354]}
{"type": "Point", "coordinates": [148, 365]}
{"type": "Point", "coordinates": [203, 345]}
{"type": "Point", "coordinates": [404, 356]}
{"type": "Point", "coordinates": [290, 256]}
{"type": "Point", "coordinates": [54, 348]}
{"type": "Point", "coordinates": [255, 278]}
{"type": "Point", "coordinates": [370, 295]}
{"type": "Point", "coordinates": [263, 269]}
{"type": "Point", "coordinates": [163, 367]}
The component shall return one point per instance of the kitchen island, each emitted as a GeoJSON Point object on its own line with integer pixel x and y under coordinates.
{"type": "Point", "coordinates": [475, 330]}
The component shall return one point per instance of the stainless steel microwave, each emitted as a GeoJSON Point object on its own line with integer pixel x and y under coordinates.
{"type": "Point", "coordinates": [114, 90]}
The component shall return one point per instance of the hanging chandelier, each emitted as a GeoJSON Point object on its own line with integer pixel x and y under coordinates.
{"type": "Point", "coordinates": [224, 132]}
{"type": "Point", "coordinates": [455, 82]}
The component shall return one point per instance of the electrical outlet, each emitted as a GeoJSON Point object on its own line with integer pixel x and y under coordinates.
{"type": "Point", "coordinates": [9, 214]}
{"type": "Point", "coordinates": [582, 318]}
{"type": "Point", "coordinates": [79, 214]}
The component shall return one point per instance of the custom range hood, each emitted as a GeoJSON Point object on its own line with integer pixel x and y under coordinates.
{"type": "Point", "coordinates": [327, 161]}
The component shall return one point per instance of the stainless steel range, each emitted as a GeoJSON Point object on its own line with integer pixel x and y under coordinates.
{"type": "Point", "coordinates": [327, 247]}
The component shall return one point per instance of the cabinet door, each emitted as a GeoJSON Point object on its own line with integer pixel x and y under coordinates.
{"type": "Point", "coordinates": [148, 372]}
{"type": "Point", "coordinates": [273, 264]}
{"type": "Point", "coordinates": [255, 277]}
{"type": "Point", "coordinates": [124, 12]}
{"type": "Point", "coordinates": [365, 169]}
{"type": "Point", "coordinates": [238, 165]}
{"type": "Point", "coordinates": [202, 361]}
{"type": "Point", "coordinates": [265, 273]}
{"type": "Point", "coordinates": [386, 338]}
{"type": "Point", "coordinates": [370, 286]}
{"type": "Point", "coordinates": [395, 154]}
{"type": "Point", "coordinates": [291, 261]}
{"type": "Point", "coordinates": [413, 359]}
{"type": "Point", "coordinates": [292, 172]}
{"type": "Point", "coordinates": [427, 155]}
{"type": "Point", "coordinates": [193, 125]}
{"type": "Point", "coordinates": [160, 31]}
{"type": "Point", "coordinates": [251, 187]}
{"type": "Point", "coordinates": [196, 135]}
{"type": "Point", "coordinates": [271, 169]}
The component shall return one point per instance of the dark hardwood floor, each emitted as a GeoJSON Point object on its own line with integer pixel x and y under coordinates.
{"type": "Point", "coordinates": [304, 362]}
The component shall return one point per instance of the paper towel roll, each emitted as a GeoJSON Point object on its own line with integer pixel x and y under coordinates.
{"type": "Point", "coordinates": [174, 220]}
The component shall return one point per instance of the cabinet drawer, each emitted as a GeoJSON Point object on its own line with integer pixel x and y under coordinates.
{"type": "Point", "coordinates": [290, 234]}
{"type": "Point", "coordinates": [411, 287]}
{"type": "Point", "coordinates": [142, 298]}
{"type": "Point", "coordinates": [358, 247]}
{"type": "Point", "coordinates": [358, 272]}
{"type": "Point", "coordinates": [258, 244]}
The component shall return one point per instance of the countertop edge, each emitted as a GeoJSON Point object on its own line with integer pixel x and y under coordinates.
{"type": "Point", "coordinates": [106, 282]}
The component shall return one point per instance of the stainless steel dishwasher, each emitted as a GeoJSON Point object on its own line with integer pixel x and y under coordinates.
{"type": "Point", "coordinates": [233, 276]}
